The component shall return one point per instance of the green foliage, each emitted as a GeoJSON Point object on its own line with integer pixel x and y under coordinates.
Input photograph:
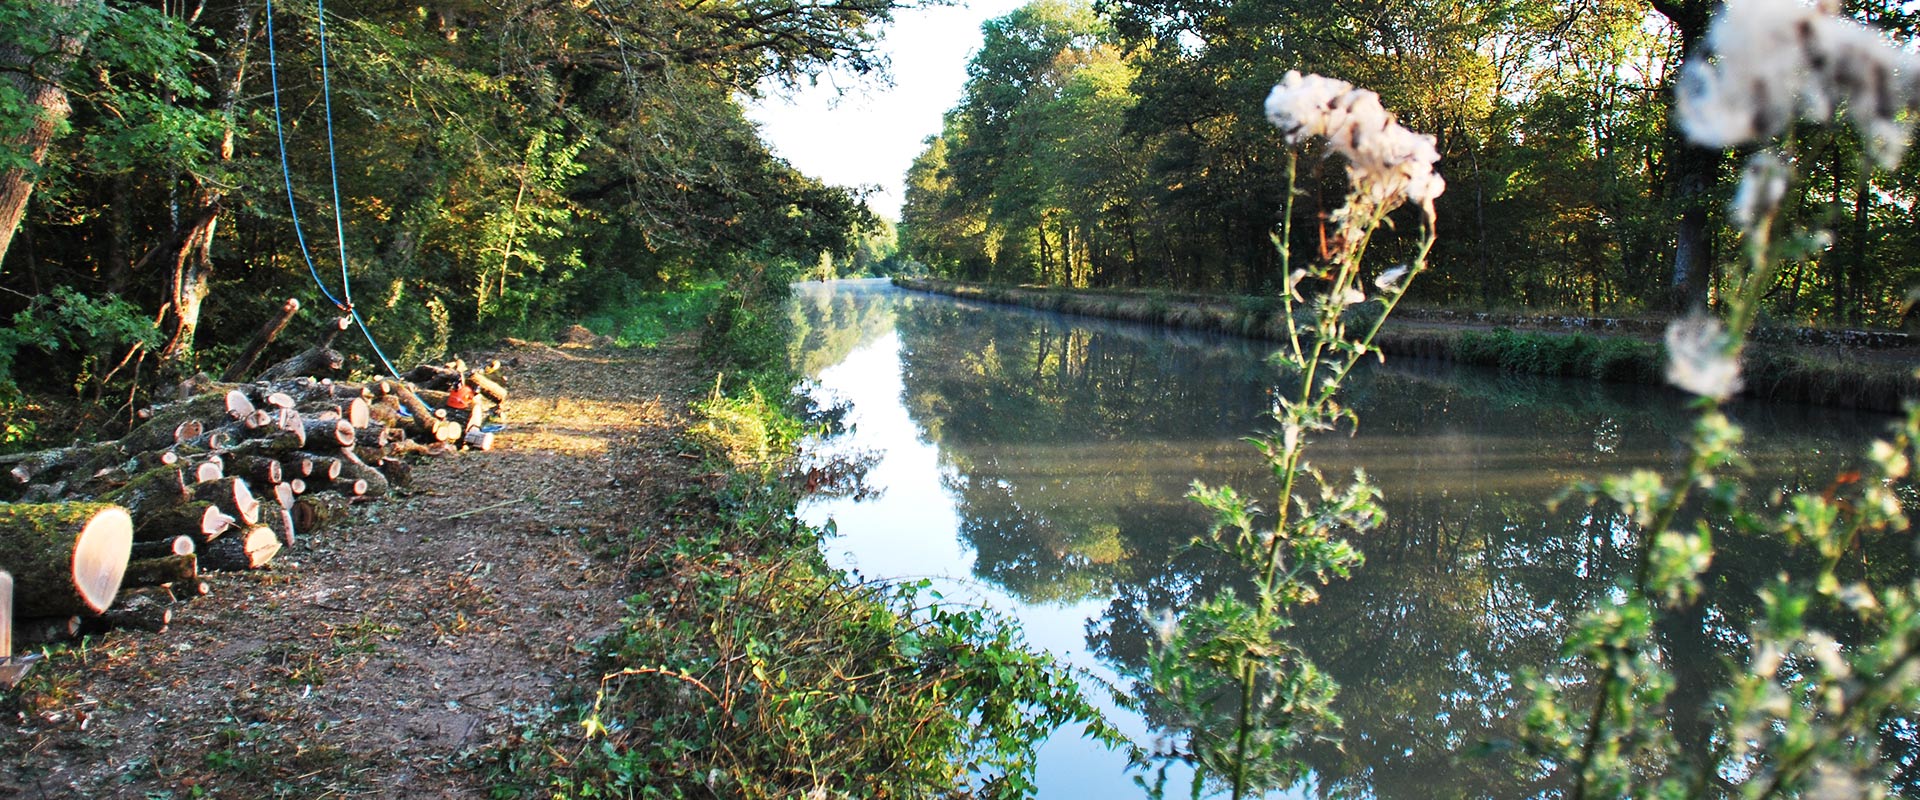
{"type": "Point", "coordinates": [800, 682]}
{"type": "Point", "coordinates": [64, 320]}
{"type": "Point", "coordinates": [484, 186]}
{"type": "Point", "coordinates": [1127, 148]}
{"type": "Point", "coordinates": [649, 319]}
{"type": "Point", "coordinates": [746, 330]}
{"type": "Point", "coordinates": [1802, 713]}
{"type": "Point", "coordinates": [747, 433]}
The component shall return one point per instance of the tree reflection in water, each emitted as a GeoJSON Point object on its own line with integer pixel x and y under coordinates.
{"type": "Point", "coordinates": [1067, 447]}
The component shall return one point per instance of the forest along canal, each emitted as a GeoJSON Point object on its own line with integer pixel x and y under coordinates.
{"type": "Point", "coordinates": [1039, 463]}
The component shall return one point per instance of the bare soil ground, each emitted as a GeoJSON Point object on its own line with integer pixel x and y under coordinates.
{"type": "Point", "coordinates": [377, 658]}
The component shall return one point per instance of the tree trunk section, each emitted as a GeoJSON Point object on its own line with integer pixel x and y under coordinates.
{"type": "Point", "coordinates": [261, 339]}
{"type": "Point", "coordinates": [163, 570]}
{"type": "Point", "coordinates": [317, 510]}
{"type": "Point", "coordinates": [65, 558]}
{"type": "Point", "coordinates": [35, 77]}
{"type": "Point", "coordinates": [251, 549]}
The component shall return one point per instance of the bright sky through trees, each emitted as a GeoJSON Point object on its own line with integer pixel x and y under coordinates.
{"type": "Point", "coordinates": [852, 132]}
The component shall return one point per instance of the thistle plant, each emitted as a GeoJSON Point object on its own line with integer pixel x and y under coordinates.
{"type": "Point", "coordinates": [1240, 695]}
{"type": "Point", "coordinates": [1802, 714]}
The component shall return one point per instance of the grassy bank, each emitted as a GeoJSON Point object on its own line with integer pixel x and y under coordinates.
{"type": "Point", "coordinates": [747, 667]}
{"type": "Point", "coordinates": [1786, 364]}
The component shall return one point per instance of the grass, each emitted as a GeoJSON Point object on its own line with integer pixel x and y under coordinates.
{"type": "Point", "coordinates": [649, 320]}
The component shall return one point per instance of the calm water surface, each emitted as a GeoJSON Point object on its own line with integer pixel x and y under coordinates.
{"type": "Point", "coordinates": [1038, 464]}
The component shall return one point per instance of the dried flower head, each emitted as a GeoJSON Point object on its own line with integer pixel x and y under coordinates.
{"type": "Point", "coordinates": [1762, 186]}
{"type": "Point", "coordinates": [1700, 357]}
{"type": "Point", "coordinates": [1765, 62]}
{"type": "Point", "coordinates": [1387, 164]}
{"type": "Point", "coordinates": [1389, 281]}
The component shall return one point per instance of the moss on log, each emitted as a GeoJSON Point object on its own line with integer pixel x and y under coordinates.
{"type": "Point", "coordinates": [65, 558]}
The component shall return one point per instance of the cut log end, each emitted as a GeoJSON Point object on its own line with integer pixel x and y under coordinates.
{"type": "Point", "coordinates": [65, 558]}
{"type": "Point", "coordinates": [100, 555]}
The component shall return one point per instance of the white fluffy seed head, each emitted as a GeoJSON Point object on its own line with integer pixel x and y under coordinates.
{"type": "Point", "coordinates": [1700, 358]}
{"type": "Point", "coordinates": [1766, 62]}
{"type": "Point", "coordinates": [1387, 164]}
{"type": "Point", "coordinates": [1763, 184]}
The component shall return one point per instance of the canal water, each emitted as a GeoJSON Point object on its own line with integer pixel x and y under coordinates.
{"type": "Point", "coordinates": [1038, 464]}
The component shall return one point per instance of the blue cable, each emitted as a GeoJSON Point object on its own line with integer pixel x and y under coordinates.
{"type": "Point", "coordinates": [333, 170]}
{"type": "Point", "coordinates": [286, 172]}
{"type": "Point", "coordinates": [286, 175]}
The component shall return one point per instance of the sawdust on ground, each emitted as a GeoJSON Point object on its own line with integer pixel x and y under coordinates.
{"type": "Point", "coordinates": [378, 658]}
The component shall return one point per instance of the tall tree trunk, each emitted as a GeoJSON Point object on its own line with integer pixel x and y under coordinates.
{"type": "Point", "coordinates": [36, 77]}
{"type": "Point", "coordinates": [1693, 174]}
{"type": "Point", "coordinates": [193, 262]}
{"type": "Point", "coordinates": [1853, 275]}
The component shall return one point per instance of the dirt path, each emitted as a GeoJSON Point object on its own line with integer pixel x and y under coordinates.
{"type": "Point", "coordinates": [376, 658]}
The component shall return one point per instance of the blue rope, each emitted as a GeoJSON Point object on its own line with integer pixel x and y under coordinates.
{"type": "Point", "coordinates": [286, 172]}
{"type": "Point", "coordinates": [286, 175]}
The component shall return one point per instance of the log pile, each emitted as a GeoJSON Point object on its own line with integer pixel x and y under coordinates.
{"type": "Point", "coordinates": [113, 534]}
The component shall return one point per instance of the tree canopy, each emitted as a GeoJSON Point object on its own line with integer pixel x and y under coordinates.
{"type": "Point", "coordinates": [501, 167]}
{"type": "Point", "coordinates": [1122, 144]}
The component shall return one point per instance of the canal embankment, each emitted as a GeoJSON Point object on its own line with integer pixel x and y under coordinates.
{"type": "Point", "coordinates": [1866, 370]}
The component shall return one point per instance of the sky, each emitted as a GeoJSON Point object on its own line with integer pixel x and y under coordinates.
{"type": "Point", "coordinates": [854, 133]}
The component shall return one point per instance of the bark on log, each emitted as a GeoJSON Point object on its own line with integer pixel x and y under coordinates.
{"type": "Point", "coordinates": [158, 432]}
{"type": "Point", "coordinates": [314, 361]}
{"type": "Point", "coordinates": [356, 471]}
{"type": "Point", "coordinates": [261, 338]}
{"type": "Point", "coordinates": [423, 419]}
{"type": "Point", "coordinates": [279, 519]}
{"type": "Point", "coordinates": [487, 386]}
{"type": "Point", "coordinates": [151, 491]}
{"type": "Point", "coordinates": [317, 510]}
{"type": "Point", "coordinates": [233, 497]}
{"type": "Point", "coordinates": [259, 469]}
{"type": "Point", "coordinates": [65, 558]}
{"type": "Point", "coordinates": [171, 546]}
{"type": "Point", "coordinates": [200, 520]}
{"type": "Point", "coordinates": [45, 630]}
{"type": "Point", "coordinates": [332, 331]}
{"type": "Point", "coordinates": [250, 549]}
{"type": "Point", "coordinates": [47, 466]}
{"type": "Point", "coordinates": [139, 611]}
{"type": "Point", "coordinates": [177, 570]}
{"type": "Point", "coordinates": [378, 436]}
{"type": "Point", "coordinates": [386, 411]}
{"type": "Point", "coordinates": [329, 433]}
{"type": "Point", "coordinates": [432, 376]}
{"type": "Point", "coordinates": [157, 458]}
{"type": "Point", "coordinates": [326, 469]}
{"type": "Point", "coordinates": [399, 473]}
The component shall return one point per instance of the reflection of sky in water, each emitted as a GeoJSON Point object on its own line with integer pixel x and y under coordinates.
{"type": "Point", "coordinates": [1058, 499]}
{"type": "Point", "coordinates": [906, 533]}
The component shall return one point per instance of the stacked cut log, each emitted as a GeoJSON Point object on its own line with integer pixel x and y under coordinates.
{"type": "Point", "coordinates": [225, 477]}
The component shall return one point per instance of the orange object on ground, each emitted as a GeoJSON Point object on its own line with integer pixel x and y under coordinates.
{"type": "Point", "coordinates": [460, 396]}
